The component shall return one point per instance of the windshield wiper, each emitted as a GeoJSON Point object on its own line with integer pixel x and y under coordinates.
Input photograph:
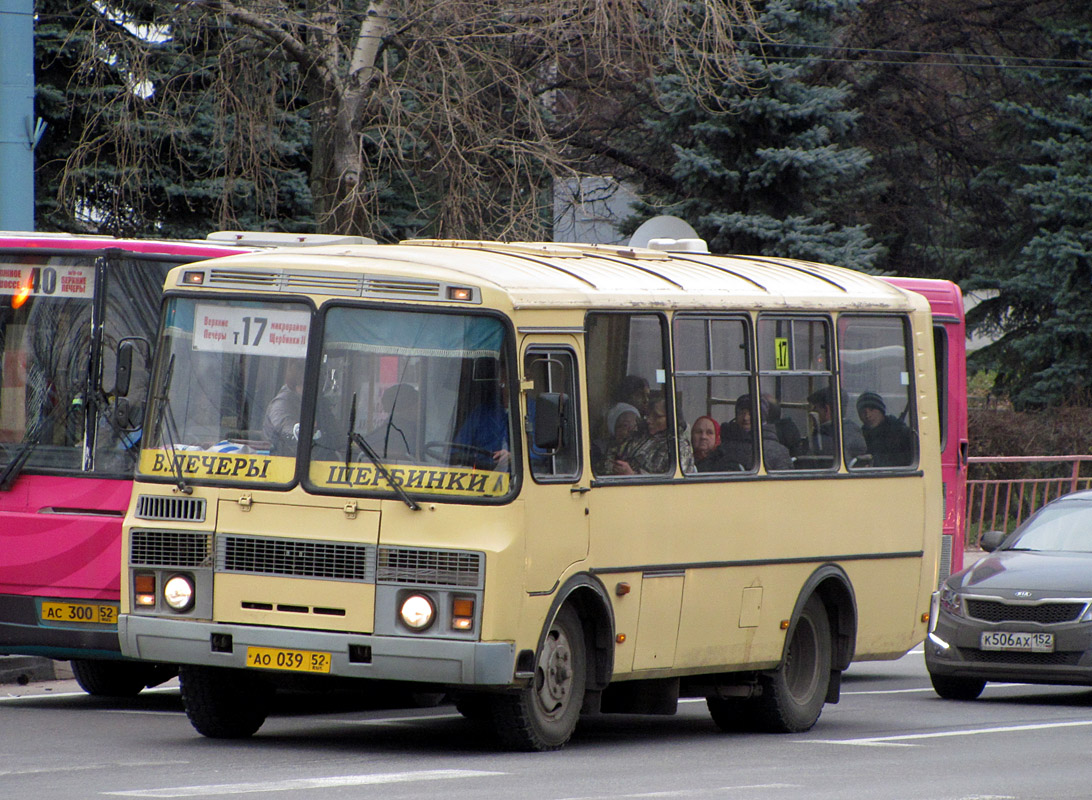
{"type": "Point", "coordinates": [26, 447]}
{"type": "Point", "coordinates": [164, 421]}
{"type": "Point", "coordinates": [355, 438]}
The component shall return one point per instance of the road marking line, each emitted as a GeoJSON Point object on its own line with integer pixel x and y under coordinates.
{"type": "Point", "coordinates": [686, 792]}
{"type": "Point", "coordinates": [300, 784]}
{"type": "Point", "coordinates": [900, 739]}
{"type": "Point", "coordinates": [85, 767]}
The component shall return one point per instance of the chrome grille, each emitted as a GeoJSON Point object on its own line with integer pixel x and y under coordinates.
{"type": "Point", "coordinates": [1042, 613]}
{"type": "Point", "coordinates": [170, 549]}
{"type": "Point", "coordinates": [430, 567]}
{"type": "Point", "coordinates": [295, 558]}
{"type": "Point", "coordinates": [172, 509]}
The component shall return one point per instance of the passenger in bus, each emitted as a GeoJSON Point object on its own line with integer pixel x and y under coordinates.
{"type": "Point", "coordinates": [821, 440]}
{"type": "Point", "coordinates": [623, 421]}
{"type": "Point", "coordinates": [889, 440]}
{"type": "Point", "coordinates": [634, 390]}
{"type": "Point", "coordinates": [281, 425]}
{"type": "Point", "coordinates": [705, 442]}
{"type": "Point", "coordinates": [737, 438]}
{"type": "Point", "coordinates": [483, 435]}
{"type": "Point", "coordinates": [787, 431]}
{"type": "Point", "coordinates": [650, 453]}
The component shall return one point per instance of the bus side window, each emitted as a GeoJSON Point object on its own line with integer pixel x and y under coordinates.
{"type": "Point", "coordinates": [553, 452]}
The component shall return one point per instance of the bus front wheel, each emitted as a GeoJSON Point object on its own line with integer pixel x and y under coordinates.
{"type": "Point", "coordinates": [224, 703]}
{"type": "Point", "coordinates": [543, 715]}
{"type": "Point", "coordinates": [108, 678]}
{"type": "Point", "coordinates": [793, 695]}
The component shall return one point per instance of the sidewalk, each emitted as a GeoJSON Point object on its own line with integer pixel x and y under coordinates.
{"type": "Point", "coordinates": [30, 669]}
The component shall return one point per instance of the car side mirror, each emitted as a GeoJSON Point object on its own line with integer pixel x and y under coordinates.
{"type": "Point", "coordinates": [123, 372]}
{"type": "Point", "coordinates": [991, 540]}
{"type": "Point", "coordinates": [549, 415]}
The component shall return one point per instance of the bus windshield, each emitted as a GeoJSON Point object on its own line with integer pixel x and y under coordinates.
{"type": "Point", "coordinates": [427, 393]}
{"type": "Point", "coordinates": [424, 394]}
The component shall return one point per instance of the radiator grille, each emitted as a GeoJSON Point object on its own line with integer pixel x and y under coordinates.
{"type": "Point", "coordinates": [170, 549]}
{"type": "Point", "coordinates": [171, 509]}
{"type": "Point", "coordinates": [1043, 613]}
{"type": "Point", "coordinates": [1063, 659]}
{"type": "Point", "coordinates": [296, 558]}
{"type": "Point", "coordinates": [430, 567]}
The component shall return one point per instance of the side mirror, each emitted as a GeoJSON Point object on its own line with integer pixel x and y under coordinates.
{"type": "Point", "coordinates": [549, 414]}
{"type": "Point", "coordinates": [991, 540]}
{"type": "Point", "coordinates": [123, 373]}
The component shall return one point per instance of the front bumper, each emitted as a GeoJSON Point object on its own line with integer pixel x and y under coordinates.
{"type": "Point", "coordinates": [402, 658]}
{"type": "Point", "coordinates": [952, 649]}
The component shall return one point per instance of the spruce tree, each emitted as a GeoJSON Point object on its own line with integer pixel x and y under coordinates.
{"type": "Point", "coordinates": [765, 166]}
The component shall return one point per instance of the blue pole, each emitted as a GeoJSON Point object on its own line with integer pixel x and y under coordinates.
{"type": "Point", "coordinates": [17, 121]}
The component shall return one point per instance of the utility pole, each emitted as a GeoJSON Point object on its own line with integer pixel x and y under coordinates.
{"type": "Point", "coordinates": [19, 131]}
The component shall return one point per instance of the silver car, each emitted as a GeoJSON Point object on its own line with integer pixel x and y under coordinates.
{"type": "Point", "coordinates": [1023, 613]}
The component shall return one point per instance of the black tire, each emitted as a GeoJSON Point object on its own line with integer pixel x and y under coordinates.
{"type": "Point", "coordinates": [951, 687]}
{"type": "Point", "coordinates": [543, 715]}
{"type": "Point", "coordinates": [793, 695]}
{"type": "Point", "coordinates": [732, 714]}
{"type": "Point", "coordinates": [108, 678]}
{"type": "Point", "coordinates": [224, 703]}
{"type": "Point", "coordinates": [473, 706]}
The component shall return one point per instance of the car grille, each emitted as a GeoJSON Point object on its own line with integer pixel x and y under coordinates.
{"type": "Point", "coordinates": [1063, 659]}
{"type": "Point", "coordinates": [172, 509]}
{"type": "Point", "coordinates": [1042, 613]}
{"type": "Point", "coordinates": [170, 549]}
{"type": "Point", "coordinates": [296, 558]}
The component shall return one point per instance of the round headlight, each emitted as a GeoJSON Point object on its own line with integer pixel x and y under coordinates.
{"type": "Point", "coordinates": [178, 592]}
{"type": "Point", "coordinates": [417, 612]}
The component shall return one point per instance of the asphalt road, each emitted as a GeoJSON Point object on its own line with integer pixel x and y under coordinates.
{"type": "Point", "coordinates": [889, 737]}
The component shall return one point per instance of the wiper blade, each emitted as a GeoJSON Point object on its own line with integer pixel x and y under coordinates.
{"type": "Point", "coordinates": [15, 466]}
{"type": "Point", "coordinates": [355, 438]}
{"type": "Point", "coordinates": [164, 421]}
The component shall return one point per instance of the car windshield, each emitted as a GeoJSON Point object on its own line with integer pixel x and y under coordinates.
{"type": "Point", "coordinates": [1064, 527]}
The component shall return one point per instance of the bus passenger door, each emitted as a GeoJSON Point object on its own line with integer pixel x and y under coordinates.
{"type": "Point", "coordinates": [556, 490]}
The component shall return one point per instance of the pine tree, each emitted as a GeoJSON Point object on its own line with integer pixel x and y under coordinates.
{"type": "Point", "coordinates": [765, 166]}
{"type": "Point", "coordinates": [1037, 263]}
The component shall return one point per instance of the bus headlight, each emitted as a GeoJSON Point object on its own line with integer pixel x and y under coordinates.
{"type": "Point", "coordinates": [417, 612]}
{"type": "Point", "coordinates": [178, 592]}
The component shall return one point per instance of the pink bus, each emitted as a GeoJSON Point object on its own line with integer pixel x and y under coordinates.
{"type": "Point", "coordinates": [77, 318]}
{"type": "Point", "coordinates": [950, 341]}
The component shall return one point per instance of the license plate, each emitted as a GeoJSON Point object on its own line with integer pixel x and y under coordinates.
{"type": "Point", "coordinates": [292, 660]}
{"type": "Point", "coordinates": [1026, 642]}
{"type": "Point", "coordinates": [84, 613]}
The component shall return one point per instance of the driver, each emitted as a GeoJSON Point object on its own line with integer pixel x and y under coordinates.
{"type": "Point", "coordinates": [485, 428]}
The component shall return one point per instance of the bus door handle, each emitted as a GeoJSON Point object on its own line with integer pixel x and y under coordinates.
{"type": "Point", "coordinates": [580, 489]}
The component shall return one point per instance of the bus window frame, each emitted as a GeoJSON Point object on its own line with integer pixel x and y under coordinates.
{"type": "Point", "coordinates": [575, 399]}
{"type": "Point", "coordinates": [516, 428]}
{"type": "Point", "coordinates": [912, 411]}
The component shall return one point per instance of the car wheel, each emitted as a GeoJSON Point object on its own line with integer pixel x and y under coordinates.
{"type": "Point", "coordinates": [951, 687]}
{"type": "Point", "coordinates": [224, 703]}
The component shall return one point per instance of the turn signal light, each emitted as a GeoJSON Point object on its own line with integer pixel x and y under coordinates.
{"type": "Point", "coordinates": [462, 613]}
{"type": "Point", "coordinates": [144, 589]}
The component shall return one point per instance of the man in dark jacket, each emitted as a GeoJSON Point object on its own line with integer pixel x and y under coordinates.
{"type": "Point", "coordinates": [889, 440]}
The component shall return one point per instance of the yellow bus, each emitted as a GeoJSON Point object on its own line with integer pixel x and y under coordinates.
{"type": "Point", "coordinates": [546, 479]}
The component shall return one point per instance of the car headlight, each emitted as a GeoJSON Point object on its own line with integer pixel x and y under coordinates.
{"type": "Point", "coordinates": [178, 592]}
{"type": "Point", "coordinates": [951, 601]}
{"type": "Point", "coordinates": [417, 612]}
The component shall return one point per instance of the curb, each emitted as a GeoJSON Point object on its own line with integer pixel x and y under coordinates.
{"type": "Point", "coordinates": [27, 669]}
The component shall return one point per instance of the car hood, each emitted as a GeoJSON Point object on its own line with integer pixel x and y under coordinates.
{"type": "Point", "coordinates": [1006, 571]}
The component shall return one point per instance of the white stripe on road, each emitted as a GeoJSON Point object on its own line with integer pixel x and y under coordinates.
{"type": "Point", "coordinates": [84, 767]}
{"type": "Point", "coordinates": [299, 784]}
{"type": "Point", "coordinates": [902, 739]}
{"type": "Point", "coordinates": [686, 792]}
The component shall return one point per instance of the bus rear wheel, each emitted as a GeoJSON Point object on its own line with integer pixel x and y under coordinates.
{"type": "Point", "coordinates": [108, 678]}
{"type": "Point", "coordinates": [543, 715]}
{"type": "Point", "coordinates": [224, 703]}
{"type": "Point", "coordinates": [793, 695]}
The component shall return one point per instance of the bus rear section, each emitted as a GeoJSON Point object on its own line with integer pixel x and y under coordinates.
{"type": "Point", "coordinates": [950, 347]}
{"type": "Point", "coordinates": [403, 464]}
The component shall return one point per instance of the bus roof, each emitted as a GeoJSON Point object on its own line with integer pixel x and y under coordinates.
{"type": "Point", "coordinates": [563, 275]}
{"type": "Point", "coordinates": [945, 297]}
{"type": "Point", "coordinates": [215, 245]}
